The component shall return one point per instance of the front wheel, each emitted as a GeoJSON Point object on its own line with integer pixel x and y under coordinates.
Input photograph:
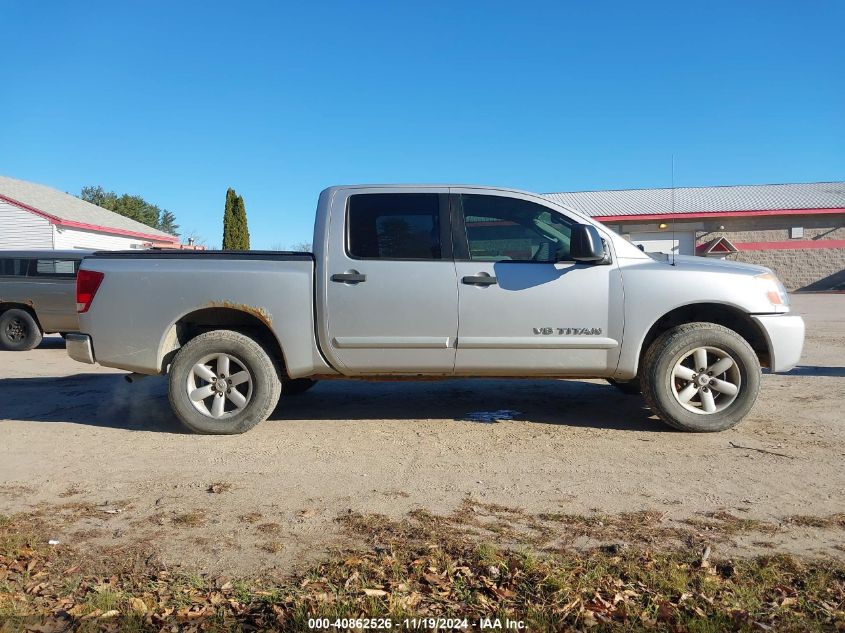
{"type": "Point", "coordinates": [223, 382]}
{"type": "Point", "coordinates": [700, 377]}
{"type": "Point", "coordinates": [19, 331]}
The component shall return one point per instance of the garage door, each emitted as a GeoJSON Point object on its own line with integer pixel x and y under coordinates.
{"type": "Point", "coordinates": [662, 242]}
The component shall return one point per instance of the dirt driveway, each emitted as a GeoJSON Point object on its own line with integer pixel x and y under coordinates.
{"type": "Point", "coordinates": [112, 464]}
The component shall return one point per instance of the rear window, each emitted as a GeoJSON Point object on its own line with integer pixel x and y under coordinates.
{"type": "Point", "coordinates": [13, 267]}
{"type": "Point", "coordinates": [55, 267]}
{"type": "Point", "coordinates": [394, 226]}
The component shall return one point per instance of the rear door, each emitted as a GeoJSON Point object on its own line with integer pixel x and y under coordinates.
{"type": "Point", "coordinates": [391, 291]}
{"type": "Point", "coordinates": [53, 285]}
{"type": "Point", "coordinates": [526, 308]}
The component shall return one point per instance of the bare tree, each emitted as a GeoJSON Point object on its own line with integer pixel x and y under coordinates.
{"type": "Point", "coordinates": [193, 237]}
{"type": "Point", "coordinates": [298, 247]}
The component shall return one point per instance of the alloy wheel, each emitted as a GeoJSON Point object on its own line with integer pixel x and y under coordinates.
{"type": "Point", "coordinates": [705, 380]}
{"type": "Point", "coordinates": [16, 330]}
{"type": "Point", "coordinates": [219, 386]}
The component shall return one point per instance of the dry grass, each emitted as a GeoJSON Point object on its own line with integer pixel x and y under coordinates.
{"type": "Point", "coordinates": [722, 524]}
{"type": "Point", "coordinates": [828, 522]}
{"type": "Point", "coordinates": [272, 547]}
{"type": "Point", "coordinates": [193, 518]}
{"type": "Point", "coordinates": [71, 491]}
{"type": "Point", "coordinates": [219, 487]}
{"type": "Point", "coordinates": [251, 517]}
{"type": "Point", "coordinates": [553, 531]}
{"type": "Point", "coordinates": [427, 565]}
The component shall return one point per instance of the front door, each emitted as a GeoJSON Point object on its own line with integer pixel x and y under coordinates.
{"type": "Point", "coordinates": [391, 291]}
{"type": "Point", "coordinates": [525, 308]}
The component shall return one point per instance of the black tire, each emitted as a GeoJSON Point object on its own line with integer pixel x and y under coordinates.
{"type": "Point", "coordinates": [296, 386]}
{"type": "Point", "coordinates": [659, 385]}
{"type": "Point", "coordinates": [263, 389]}
{"type": "Point", "coordinates": [19, 331]}
{"type": "Point", "coordinates": [628, 387]}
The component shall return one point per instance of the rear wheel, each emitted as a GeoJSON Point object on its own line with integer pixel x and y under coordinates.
{"type": "Point", "coordinates": [296, 386]}
{"type": "Point", "coordinates": [19, 331]}
{"type": "Point", "coordinates": [701, 377]}
{"type": "Point", "coordinates": [223, 382]}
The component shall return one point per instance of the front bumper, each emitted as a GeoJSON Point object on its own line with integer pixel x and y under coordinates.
{"type": "Point", "coordinates": [785, 336]}
{"type": "Point", "coordinates": [79, 348]}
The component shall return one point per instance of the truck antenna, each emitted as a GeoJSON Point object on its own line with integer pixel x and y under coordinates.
{"type": "Point", "coordinates": [672, 209]}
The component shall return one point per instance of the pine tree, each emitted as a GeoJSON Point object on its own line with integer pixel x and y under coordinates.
{"type": "Point", "coordinates": [229, 231]}
{"type": "Point", "coordinates": [241, 223]}
{"type": "Point", "coordinates": [167, 223]}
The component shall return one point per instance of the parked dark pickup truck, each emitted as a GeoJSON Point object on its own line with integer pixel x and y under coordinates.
{"type": "Point", "coordinates": [37, 295]}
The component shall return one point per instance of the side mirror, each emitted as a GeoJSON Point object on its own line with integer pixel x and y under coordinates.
{"type": "Point", "coordinates": [586, 244]}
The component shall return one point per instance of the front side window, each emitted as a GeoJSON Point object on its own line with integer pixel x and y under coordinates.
{"type": "Point", "coordinates": [502, 229]}
{"type": "Point", "coordinates": [56, 267]}
{"type": "Point", "coordinates": [394, 226]}
{"type": "Point", "coordinates": [13, 267]}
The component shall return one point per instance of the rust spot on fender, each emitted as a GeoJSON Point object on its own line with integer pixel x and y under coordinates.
{"type": "Point", "coordinates": [26, 302]}
{"type": "Point", "coordinates": [258, 312]}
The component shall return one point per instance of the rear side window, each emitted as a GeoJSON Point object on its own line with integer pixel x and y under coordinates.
{"type": "Point", "coordinates": [13, 267]}
{"type": "Point", "coordinates": [55, 267]}
{"type": "Point", "coordinates": [499, 228]}
{"type": "Point", "coordinates": [394, 226]}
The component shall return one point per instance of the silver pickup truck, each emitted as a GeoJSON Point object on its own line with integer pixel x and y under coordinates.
{"type": "Point", "coordinates": [438, 281]}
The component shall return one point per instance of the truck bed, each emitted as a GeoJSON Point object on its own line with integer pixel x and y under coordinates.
{"type": "Point", "coordinates": [145, 296]}
{"type": "Point", "coordinates": [171, 253]}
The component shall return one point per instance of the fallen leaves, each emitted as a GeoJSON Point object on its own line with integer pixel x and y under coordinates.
{"type": "Point", "coordinates": [427, 565]}
{"type": "Point", "coordinates": [375, 593]}
{"type": "Point", "coordinates": [136, 605]}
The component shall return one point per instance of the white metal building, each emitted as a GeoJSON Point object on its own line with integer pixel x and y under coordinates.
{"type": "Point", "coordinates": [678, 220]}
{"type": "Point", "coordinates": [37, 216]}
{"type": "Point", "coordinates": [796, 229]}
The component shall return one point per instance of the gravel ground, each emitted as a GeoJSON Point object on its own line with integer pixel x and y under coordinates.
{"type": "Point", "coordinates": [74, 436]}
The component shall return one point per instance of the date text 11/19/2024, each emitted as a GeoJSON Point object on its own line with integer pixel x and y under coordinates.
{"type": "Point", "coordinates": [458, 624]}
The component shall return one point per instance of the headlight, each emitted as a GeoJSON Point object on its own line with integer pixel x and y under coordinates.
{"type": "Point", "coordinates": [774, 289]}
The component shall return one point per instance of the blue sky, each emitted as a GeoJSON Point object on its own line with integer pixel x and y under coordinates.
{"type": "Point", "coordinates": [176, 101]}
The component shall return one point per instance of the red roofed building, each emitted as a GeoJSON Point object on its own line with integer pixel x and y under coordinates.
{"type": "Point", "coordinates": [797, 230]}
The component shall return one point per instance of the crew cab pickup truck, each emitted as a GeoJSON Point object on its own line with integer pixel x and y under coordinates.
{"type": "Point", "coordinates": [443, 282]}
{"type": "Point", "coordinates": [37, 295]}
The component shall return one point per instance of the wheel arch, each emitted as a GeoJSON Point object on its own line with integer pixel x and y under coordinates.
{"type": "Point", "coordinates": [723, 314]}
{"type": "Point", "coordinates": [252, 323]}
{"type": "Point", "coordinates": [12, 305]}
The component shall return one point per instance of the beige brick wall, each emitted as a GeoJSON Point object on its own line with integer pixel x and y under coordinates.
{"type": "Point", "coordinates": [774, 228]}
{"type": "Point", "coordinates": [807, 269]}
{"type": "Point", "coordinates": [799, 268]}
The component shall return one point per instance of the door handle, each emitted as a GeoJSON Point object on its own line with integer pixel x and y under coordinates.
{"type": "Point", "coordinates": [479, 280]}
{"type": "Point", "coordinates": [349, 278]}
